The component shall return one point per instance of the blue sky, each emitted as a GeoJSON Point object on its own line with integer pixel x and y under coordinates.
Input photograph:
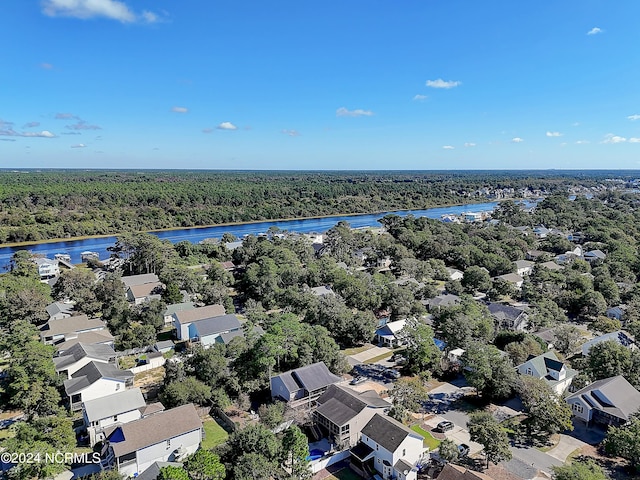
{"type": "Point", "coordinates": [417, 84]}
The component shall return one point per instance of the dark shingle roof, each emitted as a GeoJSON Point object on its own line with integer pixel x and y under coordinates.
{"type": "Point", "coordinates": [340, 404]}
{"type": "Point", "coordinates": [78, 323]}
{"type": "Point", "coordinates": [80, 350]}
{"type": "Point", "coordinates": [507, 312]}
{"type": "Point", "coordinates": [91, 373]}
{"type": "Point", "coordinates": [387, 432]}
{"type": "Point", "coordinates": [315, 376]}
{"type": "Point", "coordinates": [215, 325]}
{"type": "Point", "coordinates": [155, 429]}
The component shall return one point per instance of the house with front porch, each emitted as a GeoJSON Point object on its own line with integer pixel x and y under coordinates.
{"type": "Point", "coordinates": [389, 449]}
{"type": "Point", "coordinates": [342, 413]}
{"type": "Point", "coordinates": [169, 436]}
{"type": "Point", "coordinates": [388, 335]}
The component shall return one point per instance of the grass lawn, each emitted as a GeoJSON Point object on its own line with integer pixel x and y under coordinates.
{"type": "Point", "coordinates": [344, 474]}
{"type": "Point", "coordinates": [356, 350]}
{"type": "Point", "coordinates": [379, 357]}
{"type": "Point", "coordinates": [429, 441]}
{"type": "Point", "coordinates": [215, 434]}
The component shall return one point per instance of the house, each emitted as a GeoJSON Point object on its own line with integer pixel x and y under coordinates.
{"type": "Point", "coordinates": [164, 346]}
{"type": "Point", "coordinates": [524, 267]}
{"type": "Point", "coordinates": [153, 471]}
{"type": "Point", "coordinates": [167, 436]}
{"type": "Point", "coordinates": [610, 401]}
{"type": "Point", "coordinates": [541, 231]}
{"type": "Point", "coordinates": [233, 245]}
{"type": "Point", "coordinates": [512, 278]}
{"type": "Point", "coordinates": [547, 367]}
{"type": "Point", "coordinates": [456, 472]}
{"type": "Point", "coordinates": [56, 331]}
{"type": "Point", "coordinates": [121, 407]}
{"type": "Point", "coordinates": [96, 380]}
{"type": "Point", "coordinates": [306, 383]}
{"type": "Point", "coordinates": [228, 266]}
{"type": "Point", "coordinates": [59, 310]}
{"type": "Point", "coordinates": [46, 268]}
{"type": "Point", "coordinates": [616, 312]}
{"type": "Point", "coordinates": [139, 294]}
{"type": "Point", "coordinates": [134, 280]}
{"type": "Point", "coordinates": [551, 266]}
{"type": "Point", "coordinates": [594, 256]}
{"type": "Point", "coordinates": [183, 319]}
{"type": "Point", "coordinates": [342, 413]}
{"type": "Point", "coordinates": [321, 291]}
{"type": "Point", "coordinates": [174, 308]}
{"type": "Point", "coordinates": [621, 337]}
{"type": "Point", "coordinates": [472, 217]}
{"type": "Point", "coordinates": [389, 448]}
{"type": "Point", "coordinates": [77, 356]}
{"type": "Point", "coordinates": [101, 337]}
{"type": "Point", "coordinates": [454, 274]}
{"type": "Point", "coordinates": [445, 300]}
{"type": "Point", "coordinates": [220, 329]}
{"type": "Point", "coordinates": [534, 254]}
{"type": "Point", "coordinates": [509, 317]}
{"type": "Point", "coordinates": [387, 335]}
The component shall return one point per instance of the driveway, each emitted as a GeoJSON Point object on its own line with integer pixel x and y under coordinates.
{"type": "Point", "coordinates": [459, 433]}
{"type": "Point", "coordinates": [369, 354]}
{"type": "Point", "coordinates": [534, 457]}
{"type": "Point", "coordinates": [565, 447]}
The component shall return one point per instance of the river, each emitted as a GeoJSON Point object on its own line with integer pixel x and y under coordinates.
{"type": "Point", "coordinates": [195, 235]}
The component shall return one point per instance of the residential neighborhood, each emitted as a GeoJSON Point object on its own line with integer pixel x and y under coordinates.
{"type": "Point", "coordinates": [493, 347]}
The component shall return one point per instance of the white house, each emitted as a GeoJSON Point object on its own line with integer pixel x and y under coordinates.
{"type": "Point", "coordinates": [548, 368]}
{"type": "Point", "coordinates": [524, 267]}
{"type": "Point", "coordinates": [168, 436]}
{"type": "Point", "coordinates": [306, 383]}
{"type": "Point", "coordinates": [46, 268]}
{"type": "Point", "coordinates": [183, 319]}
{"type": "Point", "coordinates": [79, 355]}
{"type": "Point", "coordinates": [59, 310]}
{"type": "Point", "coordinates": [389, 448]}
{"type": "Point", "coordinates": [119, 408]}
{"type": "Point", "coordinates": [59, 330]}
{"type": "Point", "coordinates": [139, 294]}
{"type": "Point", "coordinates": [610, 401]}
{"type": "Point", "coordinates": [512, 278]}
{"type": "Point", "coordinates": [454, 273]}
{"type": "Point", "coordinates": [387, 335]}
{"type": "Point", "coordinates": [96, 380]}
{"type": "Point", "coordinates": [176, 307]}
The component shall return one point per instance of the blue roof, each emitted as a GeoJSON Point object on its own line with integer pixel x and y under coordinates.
{"type": "Point", "coordinates": [439, 343]}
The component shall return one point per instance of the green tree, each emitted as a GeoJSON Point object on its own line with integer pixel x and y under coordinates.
{"type": "Point", "coordinates": [272, 414]}
{"type": "Point", "coordinates": [448, 450]}
{"type": "Point", "coordinates": [78, 285]}
{"type": "Point", "coordinates": [486, 430]}
{"type": "Point", "coordinates": [566, 338]}
{"type": "Point", "coordinates": [624, 441]}
{"type": "Point", "coordinates": [492, 375]}
{"type": "Point", "coordinates": [408, 395]}
{"type": "Point", "coordinates": [422, 353]}
{"type": "Point", "coordinates": [173, 473]}
{"type": "Point", "coordinates": [188, 390]}
{"type": "Point", "coordinates": [547, 412]}
{"type": "Point", "coordinates": [254, 466]}
{"type": "Point", "coordinates": [476, 279]}
{"type": "Point", "coordinates": [295, 450]}
{"type": "Point", "coordinates": [578, 470]}
{"type": "Point", "coordinates": [205, 465]}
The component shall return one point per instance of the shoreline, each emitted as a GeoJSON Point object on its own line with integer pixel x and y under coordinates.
{"type": "Point", "coordinates": [248, 222]}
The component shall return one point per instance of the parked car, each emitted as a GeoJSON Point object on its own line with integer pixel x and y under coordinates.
{"type": "Point", "coordinates": [358, 380]}
{"type": "Point", "coordinates": [445, 426]}
{"type": "Point", "coordinates": [396, 356]}
{"type": "Point", "coordinates": [392, 373]}
{"type": "Point", "coordinates": [463, 449]}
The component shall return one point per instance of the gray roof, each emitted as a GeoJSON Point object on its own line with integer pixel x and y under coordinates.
{"type": "Point", "coordinates": [444, 300]}
{"type": "Point", "coordinates": [156, 428]}
{"type": "Point", "coordinates": [504, 312]}
{"type": "Point", "coordinates": [620, 337]}
{"type": "Point", "coordinates": [216, 325]}
{"type": "Point", "coordinates": [387, 432]}
{"type": "Point", "coordinates": [91, 373]}
{"type": "Point", "coordinates": [164, 344]}
{"type": "Point", "coordinates": [511, 277]}
{"type": "Point", "coordinates": [153, 471]}
{"type": "Point", "coordinates": [88, 338]}
{"type": "Point", "coordinates": [115, 404]}
{"type": "Point", "coordinates": [190, 316]}
{"type": "Point", "coordinates": [146, 289]}
{"type": "Point", "coordinates": [523, 264]}
{"type": "Point", "coordinates": [179, 307]}
{"type": "Point", "coordinates": [79, 351]}
{"type": "Point", "coordinates": [226, 337]}
{"type": "Point", "coordinates": [614, 395]}
{"type": "Point", "coordinates": [341, 404]}
{"type": "Point", "coordinates": [78, 323]}
{"type": "Point", "coordinates": [551, 265]}
{"type": "Point", "coordinates": [321, 290]}
{"type": "Point", "coordinates": [312, 377]}
{"type": "Point", "coordinates": [58, 307]}
{"type": "Point", "coordinates": [133, 280]}
{"type": "Point", "coordinates": [595, 254]}
{"type": "Point", "coordinates": [543, 364]}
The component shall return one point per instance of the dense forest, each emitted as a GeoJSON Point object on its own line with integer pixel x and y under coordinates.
{"type": "Point", "coordinates": [41, 205]}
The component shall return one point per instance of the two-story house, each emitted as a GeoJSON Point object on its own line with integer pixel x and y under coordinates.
{"type": "Point", "coordinates": [302, 385]}
{"type": "Point", "coordinates": [509, 317]}
{"type": "Point", "coordinates": [168, 436]}
{"type": "Point", "coordinates": [219, 329]}
{"type": "Point", "coordinates": [79, 355]}
{"type": "Point", "coordinates": [389, 449]}
{"type": "Point", "coordinates": [183, 319]}
{"type": "Point", "coordinates": [342, 412]}
{"type": "Point", "coordinates": [548, 368]}
{"type": "Point", "coordinates": [96, 380]}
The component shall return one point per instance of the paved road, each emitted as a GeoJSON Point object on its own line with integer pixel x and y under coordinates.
{"type": "Point", "coordinates": [534, 457]}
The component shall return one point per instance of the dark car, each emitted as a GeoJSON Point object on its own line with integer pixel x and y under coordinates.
{"type": "Point", "coordinates": [463, 449]}
{"type": "Point", "coordinates": [445, 426]}
{"type": "Point", "coordinates": [392, 373]}
{"type": "Point", "coordinates": [358, 380]}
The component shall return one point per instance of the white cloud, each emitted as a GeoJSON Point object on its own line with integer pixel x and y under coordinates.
{"type": "Point", "coordinates": [517, 140]}
{"type": "Point", "coordinates": [70, 133]}
{"type": "Point", "coordinates": [226, 126]}
{"type": "Point", "coordinates": [633, 118]}
{"type": "Point", "coordinates": [83, 125]}
{"type": "Point", "coordinates": [31, 124]}
{"type": "Point", "coordinates": [6, 130]}
{"type": "Point", "coordinates": [78, 145]}
{"type": "Point", "coordinates": [634, 140]}
{"type": "Point", "coordinates": [84, 9]}
{"type": "Point", "coordinates": [291, 133]}
{"type": "Point", "coordinates": [469, 144]}
{"type": "Point", "coordinates": [419, 98]}
{"type": "Point", "coordinates": [343, 112]}
{"type": "Point", "coordinates": [582, 142]}
{"type": "Point", "coordinates": [554, 134]}
{"type": "Point", "coordinates": [448, 147]}
{"type": "Point", "coordinates": [611, 138]}
{"type": "Point", "coordinates": [440, 83]}
{"type": "Point", "coordinates": [179, 109]}
{"type": "Point", "coordinates": [595, 31]}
